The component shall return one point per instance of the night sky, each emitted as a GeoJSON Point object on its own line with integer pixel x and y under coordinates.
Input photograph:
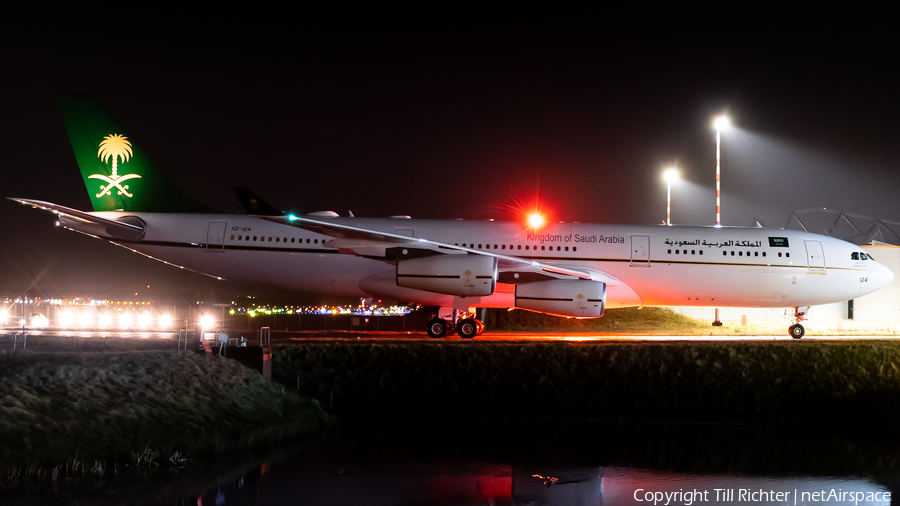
{"type": "Point", "coordinates": [444, 113]}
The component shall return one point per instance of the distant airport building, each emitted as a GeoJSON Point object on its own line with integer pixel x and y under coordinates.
{"type": "Point", "coordinates": [880, 238]}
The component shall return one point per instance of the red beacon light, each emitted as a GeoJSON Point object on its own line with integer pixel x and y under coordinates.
{"type": "Point", "coordinates": [535, 220]}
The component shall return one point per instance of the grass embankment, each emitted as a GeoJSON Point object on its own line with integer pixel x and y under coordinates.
{"type": "Point", "coordinates": [790, 381]}
{"type": "Point", "coordinates": [655, 320]}
{"type": "Point", "coordinates": [56, 407]}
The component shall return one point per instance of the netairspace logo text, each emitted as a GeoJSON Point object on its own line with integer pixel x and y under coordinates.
{"type": "Point", "coordinates": [833, 496]}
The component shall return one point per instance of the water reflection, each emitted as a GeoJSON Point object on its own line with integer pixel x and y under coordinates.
{"type": "Point", "coordinates": [472, 483]}
{"type": "Point", "coordinates": [580, 465]}
{"type": "Point", "coordinates": [537, 464]}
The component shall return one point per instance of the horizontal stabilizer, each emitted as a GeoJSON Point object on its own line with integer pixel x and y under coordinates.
{"type": "Point", "coordinates": [86, 222]}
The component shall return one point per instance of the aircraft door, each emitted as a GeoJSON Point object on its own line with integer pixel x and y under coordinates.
{"type": "Point", "coordinates": [640, 251]}
{"type": "Point", "coordinates": [815, 256]}
{"type": "Point", "coordinates": [215, 236]}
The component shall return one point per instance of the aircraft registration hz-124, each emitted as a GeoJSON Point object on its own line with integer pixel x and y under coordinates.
{"type": "Point", "coordinates": [565, 269]}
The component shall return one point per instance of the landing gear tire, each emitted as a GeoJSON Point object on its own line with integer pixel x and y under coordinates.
{"type": "Point", "coordinates": [436, 328]}
{"type": "Point", "coordinates": [467, 329]}
{"type": "Point", "coordinates": [480, 327]}
{"type": "Point", "coordinates": [797, 331]}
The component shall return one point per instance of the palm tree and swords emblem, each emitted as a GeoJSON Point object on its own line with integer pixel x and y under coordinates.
{"type": "Point", "coordinates": [114, 146]}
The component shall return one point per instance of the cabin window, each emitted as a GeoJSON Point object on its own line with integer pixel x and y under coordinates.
{"type": "Point", "coordinates": [254, 237]}
{"type": "Point", "coordinates": [503, 247]}
{"type": "Point", "coordinates": [520, 246]}
{"type": "Point", "coordinates": [232, 238]}
{"type": "Point", "coordinates": [558, 248]}
{"type": "Point", "coordinates": [693, 252]}
{"type": "Point", "coordinates": [542, 248]}
{"type": "Point", "coordinates": [787, 255]}
{"type": "Point", "coordinates": [567, 248]}
{"type": "Point", "coordinates": [670, 252]}
{"type": "Point", "coordinates": [479, 246]}
{"type": "Point", "coordinates": [495, 246]}
{"type": "Point", "coordinates": [292, 240]}
{"type": "Point", "coordinates": [764, 253]}
{"type": "Point", "coordinates": [756, 253]}
{"type": "Point", "coordinates": [740, 253]}
{"type": "Point", "coordinates": [315, 241]}
{"type": "Point", "coordinates": [574, 248]}
{"type": "Point", "coordinates": [779, 254]}
{"type": "Point", "coordinates": [701, 252]}
{"type": "Point", "coordinates": [676, 251]}
{"type": "Point", "coordinates": [240, 238]}
{"type": "Point", "coordinates": [724, 253]}
{"type": "Point", "coordinates": [277, 239]}
{"type": "Point", "coordinates": [732, 253]}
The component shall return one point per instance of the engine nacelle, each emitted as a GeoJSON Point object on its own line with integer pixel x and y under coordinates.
{"type": "Point", "coordinates": [563, 297]}
{"type": "Point", "coordinates": [463, 275]}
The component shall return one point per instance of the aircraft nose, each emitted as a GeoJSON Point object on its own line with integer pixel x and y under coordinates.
{"type": "Point", "coordinates": [884, 275]}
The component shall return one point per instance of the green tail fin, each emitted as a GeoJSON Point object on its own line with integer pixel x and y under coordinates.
{"type": "Point", "coordinates": [116, 172]}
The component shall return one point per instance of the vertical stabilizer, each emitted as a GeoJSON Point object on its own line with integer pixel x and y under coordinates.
{"type": "Point", "coordinates": [116, 172]}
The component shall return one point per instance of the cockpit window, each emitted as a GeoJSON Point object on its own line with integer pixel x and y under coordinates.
{"type": "Point", "coordinates": [865, 257]}
{"type": "Point", "coordinates": [854, 256]}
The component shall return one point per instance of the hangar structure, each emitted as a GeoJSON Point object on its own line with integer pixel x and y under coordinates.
{"type": "Point", "coordinates": [880, 238]}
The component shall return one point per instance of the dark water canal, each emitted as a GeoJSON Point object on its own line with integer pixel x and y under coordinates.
{"type": "Point", "coordinates": [490, 463]}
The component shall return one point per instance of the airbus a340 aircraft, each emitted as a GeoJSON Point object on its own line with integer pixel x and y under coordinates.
{"type": "Point", "coordinates": [565, 269]}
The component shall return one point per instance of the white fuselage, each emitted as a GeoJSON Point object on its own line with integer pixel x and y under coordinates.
{"type": "Point", "coordinates": [657, 265]}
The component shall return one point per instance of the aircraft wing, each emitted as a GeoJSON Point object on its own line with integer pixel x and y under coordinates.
{"type": "Point", "coordinates": [363, 241]}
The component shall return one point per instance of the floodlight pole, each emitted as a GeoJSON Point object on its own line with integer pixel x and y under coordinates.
{"type": "Point", "coordinates": [719, 120]}
{"type": "Point", "coordinates": [718, 177]}
{"type": "Point", "coordinates": [669, 203]}
{"type": "Point", "coordinates": [670, 175]}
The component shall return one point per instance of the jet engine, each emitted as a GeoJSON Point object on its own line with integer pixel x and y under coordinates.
{"type": "Point", "coordinates": [463, 275]}
{"type": "Point", "coordinates": [563, 297]}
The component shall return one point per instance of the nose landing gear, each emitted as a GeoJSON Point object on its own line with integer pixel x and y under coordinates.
{"type": "Point", "coordinates": [797, 330]}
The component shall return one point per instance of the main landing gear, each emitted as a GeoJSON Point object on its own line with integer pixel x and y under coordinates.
{"type": "Point", "coordinates": [796, 330]}
{"type": "Point", "coordinates": [465, 324]}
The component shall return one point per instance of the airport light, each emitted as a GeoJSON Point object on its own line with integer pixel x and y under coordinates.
{"type": "Point", "coordinates": [669, 175]}
{"type": "Point", "coordinates": [720, 123]}
{"type": "Point", "coordinates": [535, 220]}
{"type": "Point", "coordinates": [145, 319]}
{"type": "Point", "coordinates": [85, 319]}
{"type": "Point", "coordinates": [207, 322]}
{"type": "Point", "coordinates": [124, 320]}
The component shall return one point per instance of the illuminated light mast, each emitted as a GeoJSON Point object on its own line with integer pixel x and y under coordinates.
{"type": "Point", "coordinates": [670, 175]}
{"type": "Point", "coordinates": [720, 124]}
